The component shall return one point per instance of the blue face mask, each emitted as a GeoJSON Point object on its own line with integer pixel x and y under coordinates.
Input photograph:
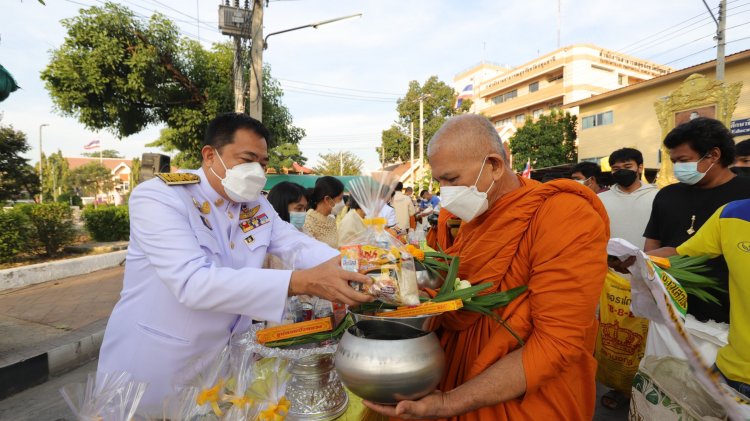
{"type": "Point", "coordinates": [297, 219]}
{"type": "Point", "coordinates": [687, 172]}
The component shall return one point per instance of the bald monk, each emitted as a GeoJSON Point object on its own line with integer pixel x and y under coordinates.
{"type": "Point", "coordinates": [550, 237]}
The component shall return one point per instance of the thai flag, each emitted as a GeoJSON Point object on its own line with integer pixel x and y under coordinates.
{"type": "Point", "coordinates": [527, 171]}
{"type": "Point", "coordinates": [466, 93]}
{"type": "Point", "coordinates": [94, 144]}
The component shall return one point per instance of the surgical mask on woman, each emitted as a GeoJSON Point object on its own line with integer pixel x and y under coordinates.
{"type": "Point", "coordinates": [243, 182]}
{"type": "Point", "coordinates": [297, 219]}
{"type": "Point", "coordinates": [687, 172]}
{"type": "Point", "coordinates": [337, 207]}
{"type": "Point", "coordinates": [466, 202]}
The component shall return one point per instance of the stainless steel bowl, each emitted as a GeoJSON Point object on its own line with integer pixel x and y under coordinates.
{"type": "Point", "coordinates": [425, 323]}
{"type": "Point", "coordinates": [425, 279]}
{"type": "Point", "coordinates": [387, 371]}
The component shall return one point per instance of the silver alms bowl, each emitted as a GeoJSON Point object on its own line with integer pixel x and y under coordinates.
{"type": "Point", "coordinates": [405, 364]}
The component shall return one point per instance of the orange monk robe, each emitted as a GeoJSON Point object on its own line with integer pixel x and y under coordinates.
{"type": "Point", "coordinates": [551, 237]}
{"type": "Point", "coordinates": [439, 236]}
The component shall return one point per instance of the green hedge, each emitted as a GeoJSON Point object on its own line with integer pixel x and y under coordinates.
{"type": "Point", "coordinates": [107, 223]}
{"type": "Point", "coordinates": [14, 233]}
{"type": "Point", "coordinates": [51, 226]}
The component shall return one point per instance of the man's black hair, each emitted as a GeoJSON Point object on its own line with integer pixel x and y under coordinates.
{"type": "Point", "coordinates": [625, 155]}
{"type": "Point", "coordinates": [703, 134]}
{"type": "Point", "coordinates": [399, 186]}
{"type": "Point", "coordinates": [742, 148]}
{"type": "Point", "coordinates": [221, 129]}
{"type": "Point", "coordinates": [421, 194]}
{"type": "Point", "coordinates": [588, 169]}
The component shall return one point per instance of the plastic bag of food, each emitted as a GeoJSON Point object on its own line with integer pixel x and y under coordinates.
{"type": "Point", "coordinates": [376, 252]}
{"type": "Point", "coordinates": [105, 396]}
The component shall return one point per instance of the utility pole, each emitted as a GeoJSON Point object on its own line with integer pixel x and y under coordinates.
{"type": "Point", "coordinates": [721, 40]}
{"type": "Point", "coordinates": [421, 132]}
{"type": "Point", "coordinates": [256, 61]}
{"type": "Point", "coordinates": [239, 83]}
{"type": "Point", "coordinates": [721, 25]}
{"type": "Point", "coordinates": [41, 164]}
{"type": "Point", "coordinates": [411, 155]}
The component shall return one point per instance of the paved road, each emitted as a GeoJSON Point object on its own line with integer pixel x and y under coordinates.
{"type": "Point", "coordinates": [44, 402]}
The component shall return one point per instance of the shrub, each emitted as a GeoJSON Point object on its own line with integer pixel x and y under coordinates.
{"type": "Point", "coordinates": [51, 225]}
{"type": "Point", "coordinates": [107, 223]}
{"type": "Point", "coordinates": [70, 199]}
{"type": "Point", "coordinates": [14, 230]}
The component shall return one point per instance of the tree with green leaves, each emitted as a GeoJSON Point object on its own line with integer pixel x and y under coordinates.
{"type": "Point", "coordinates": [56, 176]}
{"type": "Point", "coordinates": [548, 141]}
{"type": "Point", "coordinates": [116, 72]}
{"type": "Point", "coordinates": [92, 179]}
{"type": "Point", "coordinates": [439, 101]}
{"type": "Point", "coordinates": [339, 163]}
{"type": "Point", "coordinates": [135, 172]}
{"type": "Point", "coordinates": [106, 153]}
{"type": "Point", "coordinates": [18, 179]}
{"type": "Point", "coordinates": [284, 155]}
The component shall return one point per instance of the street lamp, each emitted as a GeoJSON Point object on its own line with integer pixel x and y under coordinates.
{"type": "Point", "coordinates": [41, 162]}
{"type": "Point", "coordinates": [256, 56]}
{"type": "Point", "coordinates": [311, 25]}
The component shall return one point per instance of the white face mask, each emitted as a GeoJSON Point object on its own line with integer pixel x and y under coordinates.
{"type": "Point", "coordinates": [297, 219]}
{"type": "Point", "coordinates": [243, 182]}
{"type": "Point", "coordinates": [466, 202]}
{"type": "Point", "coordinates": [337, 208]}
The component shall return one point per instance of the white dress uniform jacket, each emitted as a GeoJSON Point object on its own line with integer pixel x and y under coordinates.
{"type": "Point", "coordinates": [192, 278]}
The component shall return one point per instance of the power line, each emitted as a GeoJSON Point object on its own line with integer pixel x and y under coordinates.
{"type": "Point", "coordinates": [705, 49]}
{"type": "Point", "coordinates": [339, 96]}
{"type": "Point", "coordinates": [650, 41]}
{"type": "Point", "coordinates": [339, 87]}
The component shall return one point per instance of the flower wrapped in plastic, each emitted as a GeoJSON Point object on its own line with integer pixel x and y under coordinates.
{"type": "Point", "coordinates": [376, 252]}
{"type": "Point", "coordinates": [104, 397]}
{"type": "Point", "coordinates": [201, 398]}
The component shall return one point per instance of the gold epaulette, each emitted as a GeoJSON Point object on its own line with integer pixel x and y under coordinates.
{"type": "Point", "coordinates": [177, 178]}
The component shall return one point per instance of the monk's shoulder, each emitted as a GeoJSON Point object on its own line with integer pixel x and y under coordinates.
{"type": "Point", "coordinates": [567, 211]}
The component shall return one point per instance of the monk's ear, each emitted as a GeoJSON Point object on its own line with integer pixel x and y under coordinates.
{"type": "Point", "coordinates": [498, 165]}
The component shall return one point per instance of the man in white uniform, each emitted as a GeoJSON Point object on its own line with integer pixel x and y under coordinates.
{"type": "Point", "coordinates": [192, 278]}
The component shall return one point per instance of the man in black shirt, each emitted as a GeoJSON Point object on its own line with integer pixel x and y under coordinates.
{"type": "Point", "coordinates": [702, 151]}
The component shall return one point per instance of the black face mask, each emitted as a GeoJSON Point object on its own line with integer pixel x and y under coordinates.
{"type": "Point", "coordinates": [741, 171]}
{"type": "Point", "coordinates": [625, 178]}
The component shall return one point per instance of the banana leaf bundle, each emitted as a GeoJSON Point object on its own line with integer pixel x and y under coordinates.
{"type": "Point", "coordinates": [689, 272]}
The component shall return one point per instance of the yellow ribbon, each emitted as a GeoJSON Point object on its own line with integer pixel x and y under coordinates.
{"type": "Point", "coordinates": [211, 396]}
{"type": "Point", "coordinates": [375, 221]}
{"type": "Point", "coordinates": [276, 412]}
{"type": "Point", "coordinates": [238, 400]}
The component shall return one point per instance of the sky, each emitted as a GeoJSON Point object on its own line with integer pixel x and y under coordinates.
{"type": "Point", "coordinates": [342, 80]}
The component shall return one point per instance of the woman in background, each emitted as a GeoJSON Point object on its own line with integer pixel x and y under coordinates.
{"type": "Point", "coordinates": [352, 224]}
{"type": "Point", "coordinates": [290, 202]}
{"type": "Point", "coordinates": [326, 201]}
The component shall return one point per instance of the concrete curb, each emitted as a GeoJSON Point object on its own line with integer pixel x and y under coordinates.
{"type": "Point", "coordinates": [52, 358]}
{"type": "Point", "coordinates": [51, 271]}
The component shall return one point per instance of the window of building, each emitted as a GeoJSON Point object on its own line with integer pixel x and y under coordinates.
{"type": "Point", "coordinates": [499, 99]}
{"type": "Point", "coordinates": [503, 122]}
{"type": "Point", "coordinates": [620, 79]}
{"type": "Point", "coordinates": [555, 77]}
{"type": "Point", "coordinates": [557, 106]}
{"type": "Point", "coordinates": [533, 87]}
{"type": "Point", "coordinates": [601, 119]}
{"type": "Point", "coordinates": [520, 118]}
{"type": "Point", "coordinates": [537, 113]}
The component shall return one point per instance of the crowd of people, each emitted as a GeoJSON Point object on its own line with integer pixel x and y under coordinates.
{"type": "Point", "coordinates": [199, 271]}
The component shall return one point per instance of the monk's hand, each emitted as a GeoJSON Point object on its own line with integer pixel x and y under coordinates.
{"type": "Point", "coordinates": [329, 281]}
{"type": "Point", "coordinates": [620, 265]}
{"type": "Point", "coordinates": [434, 405]}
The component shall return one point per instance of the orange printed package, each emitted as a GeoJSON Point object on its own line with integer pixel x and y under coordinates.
{"type": "Point", "coordinates": [294, 330]}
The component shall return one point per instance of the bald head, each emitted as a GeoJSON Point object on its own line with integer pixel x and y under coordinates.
{"type": "Point", "coordinates": [468, 136]}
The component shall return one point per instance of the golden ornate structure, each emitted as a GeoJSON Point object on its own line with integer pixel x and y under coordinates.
{"type": "Point", "coordinates": [696, 95]}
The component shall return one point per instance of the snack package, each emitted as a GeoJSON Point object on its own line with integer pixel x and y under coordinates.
{"type": "Point", "coordinates": [105, 396]}
{"type": "Point", "coordinates": [377, 253]}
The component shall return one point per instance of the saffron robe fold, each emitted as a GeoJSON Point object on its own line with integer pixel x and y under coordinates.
{"type": "Point", "coordinates": [551, 237]}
